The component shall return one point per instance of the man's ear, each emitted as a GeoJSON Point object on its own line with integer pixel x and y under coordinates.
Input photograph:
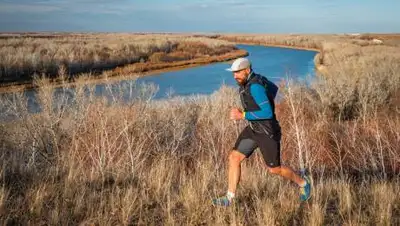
{"type": "Point", "coordinates": [248, 70]}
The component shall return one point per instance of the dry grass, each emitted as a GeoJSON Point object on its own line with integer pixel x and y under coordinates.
{"type": "Point", "coordinates": [160, 162]}
{"type": "Point", "coordinates": [23, 56]}
{"type": "Point", "coordinates": [147, 162]}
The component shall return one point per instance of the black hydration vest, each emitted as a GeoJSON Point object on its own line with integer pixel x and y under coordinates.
{"type": "Point", "coordinates": [268, 126]}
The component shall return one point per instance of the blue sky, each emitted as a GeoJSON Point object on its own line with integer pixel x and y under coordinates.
{"type": "Point", "coordinates": [225, 16]}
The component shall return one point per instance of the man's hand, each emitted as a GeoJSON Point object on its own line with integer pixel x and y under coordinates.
{"type": "Point", "coordinates": [236, 114]}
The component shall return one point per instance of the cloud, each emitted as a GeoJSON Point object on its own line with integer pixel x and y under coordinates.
{"type": "Point", "coordinates": [26, 8]}
{"type": "Point", "coordinates": [197, 15]}
{"type": "Point", "coordinates": [66, 6]}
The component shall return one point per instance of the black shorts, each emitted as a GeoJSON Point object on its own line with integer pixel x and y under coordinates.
{"type": "Point", "coordinates": [269, 146]}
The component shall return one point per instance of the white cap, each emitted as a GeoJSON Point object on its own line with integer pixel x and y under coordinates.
{"type": "Point", "coordinates": [239, 64]}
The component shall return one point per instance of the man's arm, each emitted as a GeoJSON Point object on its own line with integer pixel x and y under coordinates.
{"type": "Point", "coordinates": [260, 96]}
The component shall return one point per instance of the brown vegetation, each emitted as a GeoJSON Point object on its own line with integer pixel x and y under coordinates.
{"type": "Point", "coordinates": [161, 162]}
{"type": "Point", "coordinates": [21, 57]}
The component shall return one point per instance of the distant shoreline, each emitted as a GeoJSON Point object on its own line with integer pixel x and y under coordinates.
{"type": "Point", "coordinates": [279, 46]}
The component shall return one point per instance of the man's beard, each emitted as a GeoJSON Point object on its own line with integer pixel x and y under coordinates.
{"type": "Point", "coordinates": [240, 82]}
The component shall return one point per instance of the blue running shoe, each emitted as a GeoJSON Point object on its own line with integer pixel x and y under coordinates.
{"type": "Point", "coordinates": [222, 201]}
{"type": "Point", "coordinates": [305, 192]}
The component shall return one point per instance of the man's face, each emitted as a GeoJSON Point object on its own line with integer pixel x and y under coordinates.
{"type": "Point", "coordinates": [241, 76]}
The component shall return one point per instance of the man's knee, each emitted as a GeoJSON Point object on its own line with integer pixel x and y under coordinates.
{"type": "Point", "coordinates": [236, 157]}
{"type": "Point", "coordinates": [275, 170]}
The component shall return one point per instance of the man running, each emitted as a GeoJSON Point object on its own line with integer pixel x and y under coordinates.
{"type": "Point", "coordinates": [257, 96]}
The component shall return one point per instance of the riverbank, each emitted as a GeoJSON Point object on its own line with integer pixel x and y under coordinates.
{"type": "Point", "coordinates": [335, 51]}
{"type": "Point", "coordinates": [132, 70]}
{"type": "Point", "coordinates": [74, 54]}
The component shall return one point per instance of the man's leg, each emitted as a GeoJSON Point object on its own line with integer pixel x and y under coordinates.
{"type": "Point", "coordinates": [244, 147]}
{"type": "Point", "coordinates": [288, 173]}
{"type": "Point", "coordinates": [234, 172]}
{"type": "Point", "coordinates": [270, 149]}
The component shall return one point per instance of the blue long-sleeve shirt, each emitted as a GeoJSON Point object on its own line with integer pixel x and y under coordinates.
{"type": "Point", "coordinates": [260, 97]}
